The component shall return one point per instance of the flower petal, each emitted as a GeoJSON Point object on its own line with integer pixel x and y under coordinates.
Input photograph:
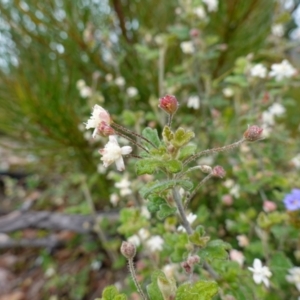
{"type": "Point", "coordinates": [120, 164]}
{"type": "Point", "coordinates": [126, 150]}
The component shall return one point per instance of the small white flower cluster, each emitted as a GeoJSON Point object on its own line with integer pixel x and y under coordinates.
{"type": "Point", "coordinates": [234, 189]}
{"type": "Point", "coordinates": [268, 117]}
{"type": "Point", "coordinates": [124, 186]}
{"type": "Point", "coordinates": [84, 90]}
{"type": "Point", "coordinates": [187, 47]}
{"type": "Point", "coordinates": [112, 152]}
{"type": "Point", "coordinates": [279, 71]}
{"type": "Point", "coordinates": [212, 5]}
{"type": "Point", "coordinates": [153, 244]}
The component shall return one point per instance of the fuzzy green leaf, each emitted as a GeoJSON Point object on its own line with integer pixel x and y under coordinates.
{"type": "Point", "coordinates": [111, 293]}
{"type": "Point", "coordinates": [165, 211]}
{"type": "Point", "coordinates": [201, 290]}
{"type": "Point", "coordinates": [182, 137]}
{"type": "Point", "coordinates": [154, 203]}
{"type": "Point", "coordinates": [151, 165]}
{"type": "Point", "coordinates": [152, 136]}
{"type": "Point", "coordinates": [187, 151]}
{"type": "Point", "coordinates": [215, 250]}
{"type": "Point", "coordinates": [167, 134]}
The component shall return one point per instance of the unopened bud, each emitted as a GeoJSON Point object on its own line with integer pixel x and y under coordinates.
{"type": "Point", "coordinates": [104, 129]}
{"type": "Point", "coordinates": [128, 250]}
{"type": "Point", "coordinates": [218, 171]}
{"type": "Point", "coordinates": [253, 133]}
{"type": "Point", "coordinates": [169, 104]}
{"type": "Point", "coordinates": [205, 169]}
{"type": "Point", "coordinates": [192, 260]}
{"type": "Point", "coordinates": [187, 267]}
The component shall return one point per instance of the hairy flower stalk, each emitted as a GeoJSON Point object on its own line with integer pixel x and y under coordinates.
{"type": "Point", "coordinates": [132, 133]}
{"type": "Point", "coordinates": [129, 251]}
{"type": "Point", "coordinates": [215, 150]}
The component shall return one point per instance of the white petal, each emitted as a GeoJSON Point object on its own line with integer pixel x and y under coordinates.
{"type": "Point", "coordinates": [266, 281]}
{"type": "Point", "coordinates": [257, 278]}
{"type": "Point", "coordinates": [126, 150]}
{"type": "Point", "coordinates": [120, 164]}
{"type": "Point", "coordinates": [113, 139]}
{"type": "Point", "coordinates": [298, 286]}
{"type": "Point", "coordinates": [95, 132]}
{"type": "Point", "coordinates": [257, 264]}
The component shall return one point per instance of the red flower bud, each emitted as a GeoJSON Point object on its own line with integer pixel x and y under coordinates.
{"type": "Point", "coordinates": [104, 129]}
{"type": "Point", "coordinates": [128, 250]}
{"type": "Point", "coordinates": [218, 171]}
{"type": "Point", "coordinates": [253, 133]}
{"type": "Point", "coordinates": [169, 104]}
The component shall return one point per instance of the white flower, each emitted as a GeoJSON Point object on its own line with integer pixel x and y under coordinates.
{"type": "Point", "coordinates": [80, 84]}
{"type": "Point", "coordinates": [237, 256]}
{"type": "Point", "coordinates": [191, 219]}
{"type": "Point", "coordinates": [296, 161]}
{"type": "Point", "coordinates": [187, 47]}
{"type": "Point", "coordinates": [235, 191]}
{"type": "Point", "coordinates": [258, 70]}
{"type": "Point", "coordinates": [294, 277]}
{"type": "Point", "coordinates": [50, 272]}
{"type": "Point", "coordinates": [143, 234]}
{"type": "Point", "coordinates": [114, 199]}
{"type": "Point", "coordinates": [112, 152]}
{"type": "Point", "coordinates": [212, 5]}
{"type": "Point", "coordinates": [277, 109]}
{"type": "Point", "coordinates": [120, 81]}
{"type": "Point", "coordinates": [260, 273]}
{"type": "Point", "coordinates": [124, 186]}
{"type": "Point", "coordinates": [85, 92]}
{"type": "Point", "coordinates": [282, 70]}
{"type": "Point", "coordinates": [155, 243]}
{"type": "Point", "coordinates": [99, 114]}
{"type": "Point", "coordinates": [135, 240]}
{"type": "Point", "coordinates": [267, 118]}
{"type": "Point", "coordinates": [200, 12]}
{"type": "Point", "coordinates": [277, 30]}
{"type": "Point", "coordinates": [228, 92]}
{"type": "Point", "coordinates": [170, 270]}
{"type": "Point", "coordinates": [132, 91]}
{"type": "Point", "coordinates": [193, 102]}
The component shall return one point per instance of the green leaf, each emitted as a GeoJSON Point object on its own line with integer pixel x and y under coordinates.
{"type": "Point", "coordinates": [150, 165]}
{"type": "Point", "coordinates": [165, 211]}
{"type": "Point", "coordinates": [152, 136]}
{"type": "Point", "coordinates": [187, 151]}
{"type": "Point", "coordinates": [199, 240]}
{"type": "Point", "coordinates": [172, 166]}
{"type": "Point", "coordinates": [201, 290]}
{"type": "Point", "coordinates": [167, 134]}
{"type": "Point", "coordinates": [152, 288]}
{"type": "Point", "coordinates": [163, 186]}
{"type": "Point", "coordinates": [215, 250]}
{"type": "Point", "coordinates": [111, 293]}
{"type": "Point", "coordinates": [155, 203]}
{"type": "Point", "coordinates": [182, 137]}
{"type": "Point", "coordinates": [147, 166]}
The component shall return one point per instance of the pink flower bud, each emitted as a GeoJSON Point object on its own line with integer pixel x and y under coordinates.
{"type": "Point", "coordinates": [104, 129]}
{"type": "Point", "coordinates": [218, 171]}
{"type": "Point", "coordinates": [269, 206]}
{"type": "Point", "coordinates": [128, 250]}
{"type": "Point", "coordinates": [169, 104]}
{"type": "Point", "coordinates": [192, 260]}
{"type": "Point", "coordinates": [253, 133]}
{"type": "Point", "coordinates": [227, 200]}
{"type": "Point", "coordinates": [187, 267]}
{"type": "Point", "coordinates": [194, 32]}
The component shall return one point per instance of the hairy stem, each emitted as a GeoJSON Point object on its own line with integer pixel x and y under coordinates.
{"type": "Point", "coordinates": [131, 140]}
{"type": "Point", "coordinates": [133, 274]}
{"type": "Point", "coordinates": [188, 200]}
{"type": "Point", "coordinates": [132, 133]}
{"type": "Point", "coordinates": [214, 150]}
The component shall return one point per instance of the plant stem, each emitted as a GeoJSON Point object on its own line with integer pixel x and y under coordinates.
{"type": "Point", "coordinates": [188, 200]}
{"type": "Point", "coordinates": [214, 150]}
{"type": "Point", "coordinates": [131, 140]}
{"type": "Point", "coordinates": [132, 133]}
{"type": "Point", "coordinates": [133, 274]}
